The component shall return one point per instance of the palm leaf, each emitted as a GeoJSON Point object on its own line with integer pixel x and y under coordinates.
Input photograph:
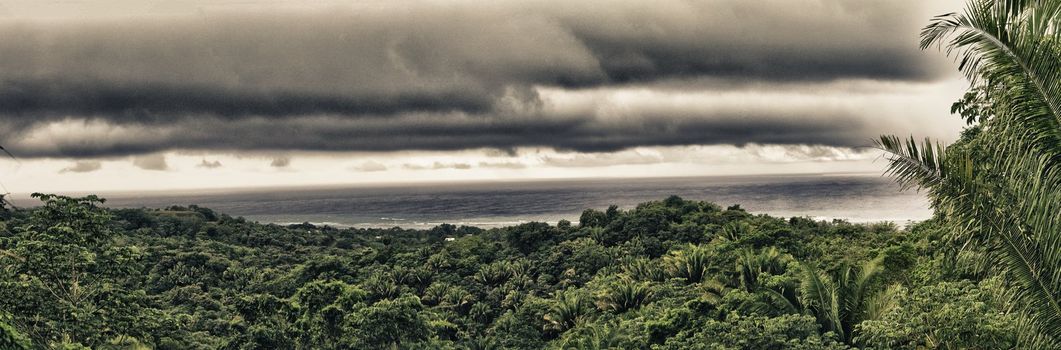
{"type": "Point", "coordinates": [1005, 197]}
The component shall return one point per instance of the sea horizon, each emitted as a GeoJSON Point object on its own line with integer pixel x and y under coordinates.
{"type": "Point", "coordinates": [858, 197]}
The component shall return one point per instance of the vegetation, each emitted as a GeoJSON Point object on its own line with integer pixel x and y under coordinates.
{"type": "Point", "coordinates": [985, 272]}
{"type": "Point", "coordinates": [998, 189]}
{"type": "Point", "coordinates": [671, 274]}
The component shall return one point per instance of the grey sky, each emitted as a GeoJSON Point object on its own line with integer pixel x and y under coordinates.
{"type": "Point", "coordinates": [90, 81]}
{"type": "Point", "coordinates": [432, 76]}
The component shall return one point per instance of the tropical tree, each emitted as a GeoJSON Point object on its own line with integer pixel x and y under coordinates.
{"type": "Point", "coordinates": [750, 264]}
{"type": "Point", "coordinates": [690, 263]}
{"type": "Point", "coordinates": [382, 286]}
{"type": "Point", "coordinates": [735, 230]}
{"type": "Point", "coordinates": [386, 324]}
{"type": "Point", "coordinates": [494, 274]}
{"type": "Point", "coordinates": [624, 295]}
{"type": "Point", "coordinates": [758, 271]}
{"type": "Point", "coordinates": [999, 187]}
{"type": "Point", "coordinates": [570, 309]}
{"type": "Point", "coordinates": [642, 269]}
{"type": "Point", "coordinates": [947, 315]}
{"type": "Point", "coordinates": [593, 336]}
{"type": "Point", "coordinates": [754, 332]}
{"type": "Point", "coordinates": [321, 307]}
{"type": "Point", "coordinates": [63, 275]}
{"type": "Point", "coordinates": [12, 339]}
{"type": "Point", "coordinates": [846, 297]}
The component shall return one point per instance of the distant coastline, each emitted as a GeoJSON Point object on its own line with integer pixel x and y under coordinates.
{"type": "Point", "coordinates": [851, 197]}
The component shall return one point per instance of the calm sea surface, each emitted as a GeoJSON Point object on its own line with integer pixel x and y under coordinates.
{"type": "Point", "coordinates": [853, 197]}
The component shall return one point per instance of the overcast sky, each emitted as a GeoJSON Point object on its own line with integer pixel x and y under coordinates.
{"type": "Point", "coordinates": [101, 95]}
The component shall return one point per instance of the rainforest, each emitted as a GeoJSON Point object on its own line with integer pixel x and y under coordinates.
{"type": "Point", "coordinates": [670, 274]}
{"type": "Point", "coordinates": [984, 272]}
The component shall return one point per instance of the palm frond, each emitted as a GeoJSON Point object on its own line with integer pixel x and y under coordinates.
{"type": "Point", "coordinates": [882, 302]}
{"type": "Point", "coordinates": [913, 165]}
{"type": "Point", "coordinates": [1001, 191]}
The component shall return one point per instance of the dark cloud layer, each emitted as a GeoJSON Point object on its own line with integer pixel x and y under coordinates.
{"type": "Point", "coordinates": [432, 132]}
{"type": "Point", "coordinates": [163, 102]}
{"type": "Point", "coordinates": [438, 77]}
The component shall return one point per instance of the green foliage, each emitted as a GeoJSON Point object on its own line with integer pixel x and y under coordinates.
{"type": "Point", "coordinates": [10, 338]}
{"type": "Point", "coordinates": [624, 295]}
{"type": "Point", "coordinates": [644, 270]}
{"type": "Point", "coordinates": [666, 274]}
{"type": "Point", "coordinates": [494, 274]}
{"type": "Point", "coordinates": [62, 273]}
{"type": "Point", "coordinates": [321, 308]}
{"type": "Point", "coordinates": [955, 315]}
{"type": "Point", "coordinates": [594, 336]}
{"type": "Point", "coordinates": [569, 309]}
{"type": "Point", "coordinates": [752, 265]}
{"type": "Point", "coordinates": [845, 298]}
{"type": "Point", "coordinates": [690, 263]}
{"type": "Point", "coordinates": [756, 332]}
{"type": "Point", "coordinates": [592, 218]}
{"type": "Point", "coordinates": [511, 331]}
{"type": "Point", "coordinates": [528, 237]}
{"type": "Point", "coordinates": [998, 189]}
{"type": "Point", "coordinates": [386, 323]}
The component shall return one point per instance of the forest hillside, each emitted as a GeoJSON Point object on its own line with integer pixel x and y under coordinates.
{"type": "Point", "coordinates": [671, 274]}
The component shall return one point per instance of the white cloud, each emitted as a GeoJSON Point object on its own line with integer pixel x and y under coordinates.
{"type": "Point", "coordinates": [369, 166]}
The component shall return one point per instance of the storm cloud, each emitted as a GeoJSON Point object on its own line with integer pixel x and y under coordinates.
{"type": "Point", "coordinates": [431, 76]}
{"type": "Point", "coordinates": [432, 132]}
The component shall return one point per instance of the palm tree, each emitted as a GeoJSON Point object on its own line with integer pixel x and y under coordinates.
{"type": "Point", "coordinates": [435, 293]}
{"type": "Point", "coordinates": [845, 298]}
{"type": "Point", "coordinates": [594, 336]}
{"type": "Point", "coordinates": [457, 299]}
{"type": "Point", "coordinates": [642, 269]}
{"type": "Point", "coordinates": [382, 286]}
{"type": "Point", "coordinates": [494, 274]}
{"type": "Point", "coordinates": [690, 263]}
{"type": "Point", "coordinates": [1000, 187]}
{"type": "Point", "coordinates": [751, 263]}
{"type": "Point", "coordinates": [624, 295]}
{"type": "Point", "coordinates": [713, 291]}
{"type": "Point", "coordinates": [568, 310]}
{"type": "Point", "coordinates": [735, 230]}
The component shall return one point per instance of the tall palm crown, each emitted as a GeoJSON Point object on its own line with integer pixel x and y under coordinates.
{"type": "Point", "coordinates": [999, 187]}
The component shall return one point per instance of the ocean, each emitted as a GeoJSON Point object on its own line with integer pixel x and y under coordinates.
{"type": "Point", "coordinates": [856, 198]}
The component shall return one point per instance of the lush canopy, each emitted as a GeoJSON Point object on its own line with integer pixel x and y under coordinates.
{"type": "Point", "coordinates": [672, 274]}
